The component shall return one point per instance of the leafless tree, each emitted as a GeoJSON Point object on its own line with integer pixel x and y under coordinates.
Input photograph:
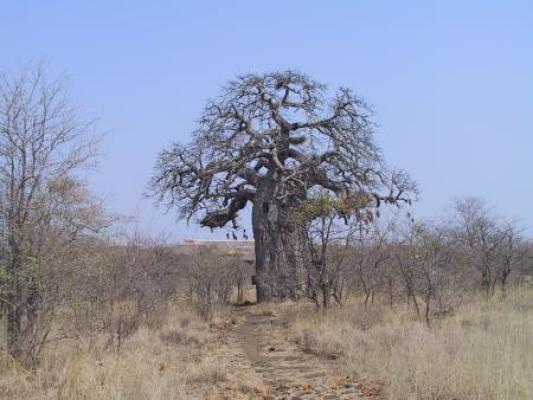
{"type": "Point", "coordinates": [432, 259]}
{"type": "Point", "coordinates": [327, 231]}
{"type": "Point", "coordinates": [212, 277]}
{"type": "Point", "coordinates": [268, 140]}
{"type": "Point", "coordinates": [370, 251]}
{"type": "Point", "coordinates": [43, 207]}
{"type": "Point", "coordinates": [524, 268]}
{"type": "Point", "coordinates": [120, 280]}
{"type": "Point", "coordinates": [403, 259]}
{"type": "Point", "coordinates": [513, 252]}
{"type": "Point", "coordinates": [426, 260]}
{"type": "Point", "coordinates": [488, 244]}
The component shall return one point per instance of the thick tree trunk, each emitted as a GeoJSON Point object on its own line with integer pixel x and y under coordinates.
{"type": "Point", "coordinates": [292, 278]}
{"type": "Point", "coordinates": [276, 264]}
{"type": "Point", "coordinates": [260, 221]}
{"type": "Point", "coordinates": [260, 258]}
{"type": "Point", "coordinates": [267, 237]}
{"type": "Point", "coordinates": [267, 251]}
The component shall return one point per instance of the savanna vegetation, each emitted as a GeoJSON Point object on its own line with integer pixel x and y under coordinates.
{"type": "Point", "coordinates": [346, 272]}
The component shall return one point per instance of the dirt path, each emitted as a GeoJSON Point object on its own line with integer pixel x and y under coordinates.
{"type": "Point", "coordinates": [265, 364]}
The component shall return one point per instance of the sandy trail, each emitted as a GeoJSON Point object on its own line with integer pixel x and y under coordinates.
{"type": "Point", "coordinates": [269, 366]}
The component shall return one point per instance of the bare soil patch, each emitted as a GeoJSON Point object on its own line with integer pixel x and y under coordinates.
{"type": "Point", "coordinates": [266, 364]}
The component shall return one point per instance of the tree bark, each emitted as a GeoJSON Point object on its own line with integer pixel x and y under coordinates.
{"type": "Point", "coordinates": [14, 318]}
{"type": "Point", "coordinates": [267, 237]}
{"type": "Point", "coordinates": [14, 303]}
{"type": "Point", "coordinates": [260, 213]}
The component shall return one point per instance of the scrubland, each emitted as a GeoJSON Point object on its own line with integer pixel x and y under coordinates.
{"type": "Point", "coordinates": [174, 359]}
{"type": "Point", "coordinates": [483, 351]}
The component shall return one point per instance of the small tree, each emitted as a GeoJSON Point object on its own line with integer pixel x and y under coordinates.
{"type": "Point", "coordinates": [432, 260]}
{"type": "Point", "coordinates": [43, 207]}
{"type": "Point", "coordinates": [370, 252]}
{"type": "Point", "coordinates": [513, 253]}
{"type": "Point", "coordinates": [212, 277]}
{"type": "Point", "coordinates": [327, 229]}
{"type": "Point", "coordinates": [425, 257]}
{"type": "Point", "coordinates": [489, 245]}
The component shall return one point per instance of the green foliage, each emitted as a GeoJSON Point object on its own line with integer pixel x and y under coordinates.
{"type": "Point", "coordinates": [326, 205]}
{"type": "Point", "coordinates": [321, 206]}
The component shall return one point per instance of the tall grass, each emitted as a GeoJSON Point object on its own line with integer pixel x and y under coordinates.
{"type": "Point", "coordinates": [174, 361]}
{"type": "Point", "coordinates": [483, 352]}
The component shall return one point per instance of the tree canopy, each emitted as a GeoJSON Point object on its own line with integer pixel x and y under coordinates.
{"type": "Point", "coordinates": [283, 127]}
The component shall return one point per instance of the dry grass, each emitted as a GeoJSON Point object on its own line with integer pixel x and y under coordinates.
{"type": "Point", "coordinates": [166, 363]}
{"type": "Point", "coordinates": [484, 351]}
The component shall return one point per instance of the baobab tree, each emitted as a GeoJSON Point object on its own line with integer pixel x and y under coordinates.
{"type": "Point", "coordinates": [268, 140]}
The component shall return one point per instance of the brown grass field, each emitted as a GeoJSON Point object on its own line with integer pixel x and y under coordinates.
{"type": "Point", "coordinates": [483, 351]}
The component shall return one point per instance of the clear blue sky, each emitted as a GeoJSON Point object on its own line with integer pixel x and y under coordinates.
{"type": "Point", "coordinates": [451, 82]}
